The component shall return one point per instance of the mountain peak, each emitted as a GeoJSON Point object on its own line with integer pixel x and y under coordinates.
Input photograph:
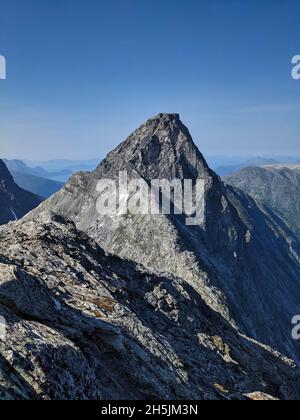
{"type": "Point", "coordinates": [162, 148]}
{"type": "Point", "coordinates": [223, 259]}
{"type": "Point", "coordinates": [171, 117]}
{"type": "Point", "coordinates": [164, 121]}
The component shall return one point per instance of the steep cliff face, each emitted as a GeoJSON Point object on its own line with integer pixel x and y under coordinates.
{"type": "Point", "coordinates": [14, 201]}
{"type": "Point", "coordinates": [82, 324]}
{"type": "Point", "coordinates": [243, 260]}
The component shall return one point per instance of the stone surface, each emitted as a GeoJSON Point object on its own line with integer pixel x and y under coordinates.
{"type": "Point", "coordinates": [83, 324]}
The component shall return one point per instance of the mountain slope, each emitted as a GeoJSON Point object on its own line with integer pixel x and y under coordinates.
{"type": "Point", "coordinates": [81, 324]}
{"type": "Point", "coordinates": [40, 186]}
{"type": "Point", "coordinates": [14, 201]}
{"type": "Point", "coordinates": [277, 188]}
{"type": "Point", "coordinates": [244, 260]}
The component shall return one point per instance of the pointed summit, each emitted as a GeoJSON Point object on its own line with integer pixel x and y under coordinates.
{"type": "Point", "coordinates": [224, 260]}
{"type": "Point", "coordinates": [162, 147]}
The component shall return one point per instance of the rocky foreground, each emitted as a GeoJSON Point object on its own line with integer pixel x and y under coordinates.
{"type": "Point", "coordinates": [82, 324]}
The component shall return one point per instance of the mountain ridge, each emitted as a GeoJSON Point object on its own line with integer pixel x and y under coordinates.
{"type": "Point", "coordinates": [222, 260]}
{"type": "Point", "coordinates": [83, 324]}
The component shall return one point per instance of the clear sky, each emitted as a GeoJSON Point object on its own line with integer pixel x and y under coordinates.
{"type": "Point", "coordinates": [82, 74]}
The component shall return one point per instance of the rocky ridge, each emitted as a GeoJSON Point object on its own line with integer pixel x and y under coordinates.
{"type": "Point", "coordinates": [83, 324]}
{"type": "Point", "coordinates": [244, 260]}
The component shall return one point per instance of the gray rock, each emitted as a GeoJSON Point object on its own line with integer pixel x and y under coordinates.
{"type": "Point", "coordinates": [83, 324]}
{"type": "Point", "coordinates": [243, 262]}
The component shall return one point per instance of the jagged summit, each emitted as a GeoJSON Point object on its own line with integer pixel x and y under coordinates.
{"type": "Point", "coordinates": [167, 116]}
{"type": "Point", "coordinates": [162, 147]}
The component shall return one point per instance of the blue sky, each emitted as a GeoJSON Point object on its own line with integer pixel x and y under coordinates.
{"type": "Point", "coordinates": [81, 75]}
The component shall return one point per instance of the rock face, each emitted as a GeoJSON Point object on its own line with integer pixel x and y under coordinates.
{"type": "Point", "coordinates": [277, 187]}
{"type": "Point", "coordinates": [83, 324]}
{"type": "Point", "coordinates": [244, 260]}
{"type": "Point", "coordinates": [14, 201]}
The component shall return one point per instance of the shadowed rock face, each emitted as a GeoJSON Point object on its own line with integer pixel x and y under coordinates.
{"type": "Point", "coordinates": [244, 261]}
{"type": "Point", "coordinates": [276, 186]}
{"type": "Point", "coordinates": [82, 324]}
{"type": "Point", "coordinates": [14, 202]}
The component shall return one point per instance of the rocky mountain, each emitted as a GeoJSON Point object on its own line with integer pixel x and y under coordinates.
{"type": "Point", "coordinates": [243, 261]}
{"type": "Point", "coordinates": [14, 201]}
{"type": "Point", "coordinates": [276, 186]}
{"type": "Point", "coordinates": [37, 185]}
{"type": "Point", "coordinates": [83, 324]}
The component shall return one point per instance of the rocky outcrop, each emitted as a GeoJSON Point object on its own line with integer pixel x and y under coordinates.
{"type": "Point", "coordinates": [243, 261]}
{"type": "Point", "coordinates": [83, 324]}
{"type": "Point", "coordinates": [14, 201]}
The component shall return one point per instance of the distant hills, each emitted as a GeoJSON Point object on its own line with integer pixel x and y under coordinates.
{"type": "Point", "coordinates": [62, 169]}
{"type": "Point", "coordinates": [20, 166]}
{"type": "Point", "coordinates": [34, 179]}
{"type": "Point", "coordinates": [277, 186]}
{"type": "Point", "coordinates": [226, 165]}
{"type": "Point", "coordinates": [230, 169]}
{"type": "Point", "coordinates": [41, 186]}
{"type": "Point", "coordinates": [46, 178]}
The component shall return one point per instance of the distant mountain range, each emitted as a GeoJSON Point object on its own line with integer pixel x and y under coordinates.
{"type": "Point", "coordinates": [277, 186]}
{"type": "Point", "coordinates": [14, 201]}
{"type": "Point", "coordinates": [33, 179]}
{"type": "Point", "coordinates": [20, 166]}
{"type": "Point", "coordinates": [231, 169]}
{"type": "Point", "coordinates": [40, 186]}
{"type": "Point", "coordinates": [62, 169]}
